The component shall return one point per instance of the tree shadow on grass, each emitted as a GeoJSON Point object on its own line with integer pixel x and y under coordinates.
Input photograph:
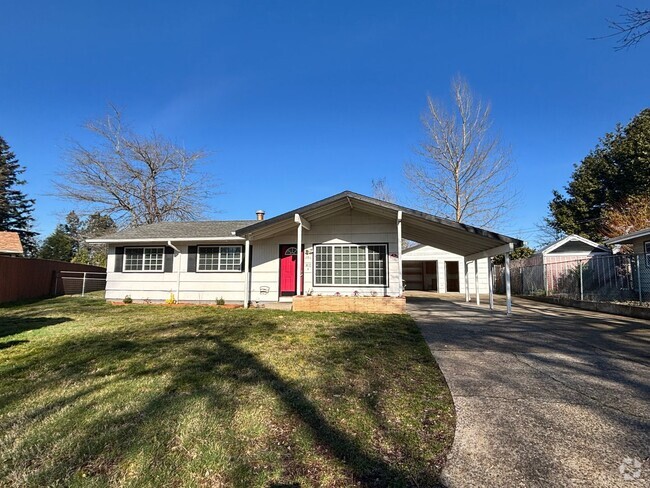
{"type": "Point", "coordinates": [16, 325]}
{"type": "Point", "coordinates": [8, 344]}
{"type": "Point", "coordinates": [210, 353]}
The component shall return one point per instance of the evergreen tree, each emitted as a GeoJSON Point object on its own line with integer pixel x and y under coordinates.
{"type": "Point", "coordinates": [15, 208]}
{"type": "Point", "coordinates": [58, 246]}
{"type": "Point", "coordinates": [95, 225]}
{"type": "Point", "coordinates": [617, 169]}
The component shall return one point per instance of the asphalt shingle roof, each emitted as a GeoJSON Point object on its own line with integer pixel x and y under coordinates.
{"type": "Point", "coordinates": [180, 230]}
{"type": "Point", "coordinates": [10, 243]}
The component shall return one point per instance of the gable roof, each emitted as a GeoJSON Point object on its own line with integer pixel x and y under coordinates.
{"type": "Point", "coordinates": [628, 238]}
{"type": "Point", "coordinates": [418, 226]}
{"type": "Point", "coordinates": [10, 243]}
{"type": "Point", "coordinates": [585, 245]}
{"type": "Point", "coordinates": [164, 231]}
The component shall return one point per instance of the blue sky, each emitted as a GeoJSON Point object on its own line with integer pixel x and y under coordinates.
{"type": "Point", "coordinates": [300, 100]}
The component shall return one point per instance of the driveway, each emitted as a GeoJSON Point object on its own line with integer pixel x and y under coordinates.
{"type": "Point", "coordinates": [550, 396]}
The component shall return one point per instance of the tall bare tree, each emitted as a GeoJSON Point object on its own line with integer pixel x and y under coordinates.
{"type": "Point", "coordinates": [632, 26]}
{"type": "Point", "coordinates": [381, 191]}
{"type": "Point", "coordinates": [463, 171]}
{"type": "Point", "coordinates": [135, 179]}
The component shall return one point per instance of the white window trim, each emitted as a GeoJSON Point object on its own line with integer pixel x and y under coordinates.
{"type": "Point", "coordinates": [357, 285]}
{"type": "Point", "coordinates": [198, 256]}
{"type": "Point", "coordinates": [144, 248]}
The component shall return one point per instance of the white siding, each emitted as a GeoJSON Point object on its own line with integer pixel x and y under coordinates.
{"type": "Point", "coordinates": [157, 286]}
{"type": "Point", "coordinates": [350, 227]}
{"type": "Point", "coordinates": [428, 253]}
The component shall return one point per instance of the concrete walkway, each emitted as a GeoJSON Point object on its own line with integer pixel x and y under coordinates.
{"type": "Point", "coordinates": [550, 396]}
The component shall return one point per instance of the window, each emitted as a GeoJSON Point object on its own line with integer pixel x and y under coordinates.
{"type": "Point", "coordinates": [350, 264]}
{"type": "Point", "coordinates": [219, 258]}
{"type": "Point", "coordinates": [646, 248]}
{"type": "Point", "coordinates": [144, 258]}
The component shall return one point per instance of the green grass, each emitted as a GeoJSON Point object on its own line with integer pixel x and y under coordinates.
{"type": "Point", "coordinates": [93, 394]}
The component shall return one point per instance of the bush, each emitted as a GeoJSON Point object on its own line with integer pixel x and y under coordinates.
{"type": "Point", "coordinates": [221, 301]}
{"type": "Point", "coordinates": [128, 299]}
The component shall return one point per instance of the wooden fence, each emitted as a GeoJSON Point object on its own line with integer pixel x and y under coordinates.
{"type": "Point", "coordinates": [22, 279]}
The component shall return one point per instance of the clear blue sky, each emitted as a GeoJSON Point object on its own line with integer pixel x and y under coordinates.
{"type": "Point", "coordinates": [299, 100]}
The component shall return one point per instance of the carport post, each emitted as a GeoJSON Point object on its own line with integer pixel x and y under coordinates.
{"type": "Point", "coordinates": [478, 295]}
{"type": "Point", "coordinates": [466, 280]}
{"type": "Point", "coordinates": [508, 295]}
{"type": "Point", "coordinates": [490, 284]}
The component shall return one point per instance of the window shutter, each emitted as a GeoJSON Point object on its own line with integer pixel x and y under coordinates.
{"type": "Point", "coordinates": [169, 260]}
{"type": "Point", "coordinates": [119, 258]}
{"type": "Point", "coordinates": [191, 259]}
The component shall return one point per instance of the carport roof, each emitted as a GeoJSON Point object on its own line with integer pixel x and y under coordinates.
{"type": "Point", "coordinates": [421, 227]}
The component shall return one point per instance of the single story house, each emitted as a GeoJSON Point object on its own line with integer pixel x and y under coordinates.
{"type": "Point", "coordinates": [10, 244]}
{"type": "Point", "coordinates": [431, 269]}
{"type": "Point", "coordinates": [347, 244]}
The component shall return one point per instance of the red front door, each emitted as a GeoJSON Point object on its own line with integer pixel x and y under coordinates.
{"type": "Point", "coordinates": [288, 267]}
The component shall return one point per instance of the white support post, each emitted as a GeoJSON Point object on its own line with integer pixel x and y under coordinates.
{"type": "Point", "coordinates": [508, 295]}
{"type": "Point", "coordinates": [247, 286]}
{"type": "Point", "coordinates": [83, 286]}
{"type": "Point", "coordinates": [399, 251]}
{"type": "Point", "coordinates": [299, 260]}
{"type": "Point", "coordinates": [476, 288]}
{"type": "Point", "coordinates": [490, 283]}
{"type": "Point", "coordinates": [467, 297]}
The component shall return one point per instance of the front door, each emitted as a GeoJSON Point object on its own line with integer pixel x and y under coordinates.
{"type": "Point", "coordinates": [288, 267]}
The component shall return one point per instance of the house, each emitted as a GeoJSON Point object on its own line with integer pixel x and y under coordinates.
{"type": "Point", "coordinates": [431, 269]}
{"type": "Point", "coordinates": [10, 244]}
{"type": "Point", "coordinates": [347, 244]}
{"type": "Point", "coordinates": [640, 242]}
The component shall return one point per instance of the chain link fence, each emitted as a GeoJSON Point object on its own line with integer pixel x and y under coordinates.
{"type": "Point", "coordinates": [623, 278]}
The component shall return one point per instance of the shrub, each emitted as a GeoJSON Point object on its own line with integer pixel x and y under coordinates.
{"type": "Point", "coordinates": [128, 299]}
{"type": "Point", "coordinates": [221, 301]}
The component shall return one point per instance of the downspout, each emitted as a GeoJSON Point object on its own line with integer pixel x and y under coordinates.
{"type": "Point", "coordinates": [178, 279]}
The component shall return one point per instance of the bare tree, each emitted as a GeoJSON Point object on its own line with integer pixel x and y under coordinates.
{"type": "Point", "coordinates": [633, 26]}
{"type": "Point", "coordinates": [380, 190]}
{"type": "Point", "coordinates": [132, 178]}
{"type": "Point", "coordinates": [463, 172]}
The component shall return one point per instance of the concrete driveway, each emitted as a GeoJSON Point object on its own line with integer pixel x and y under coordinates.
{"type": "Point", "coordinates": [550, 396]}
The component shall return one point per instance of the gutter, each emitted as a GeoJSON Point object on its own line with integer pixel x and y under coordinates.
{"type": "Point", "coordinates": [162, 239]}
{"type": "Point", "coordinates": [178, 279]}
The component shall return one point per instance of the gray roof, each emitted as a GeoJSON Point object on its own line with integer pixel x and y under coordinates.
{"type": "Point", "coordinates": [180, 230]}
{"type": "Point", "coordinates": [627, 238]}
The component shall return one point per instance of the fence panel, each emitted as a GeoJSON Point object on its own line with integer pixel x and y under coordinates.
{"type": "Point", "coordinates": [22, 279]}
{"type": "Point", "coordinates": [612, 278]}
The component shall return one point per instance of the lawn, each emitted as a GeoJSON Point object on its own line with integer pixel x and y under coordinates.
{"type": "Point", "coordinates": [93, 394]}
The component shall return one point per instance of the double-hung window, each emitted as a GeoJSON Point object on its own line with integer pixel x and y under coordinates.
{"type": "Point", "coordinates": [219, 258]}
{"type": "Point", "coordinates": [350, 264]}
{"type": "Point", "coordinates": [144, 258]}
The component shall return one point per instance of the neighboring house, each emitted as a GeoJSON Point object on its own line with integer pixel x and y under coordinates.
{"type": "Point", "coordinates": [640, 242]}
{"type": "Point", "coordinates": [10, 244]}
{"type": "Point", "coordinates": [343, 244]}
{"type": "Point", "coordinates": [430, 269]}
{"type": "Point", "coordinates": [545, 271]}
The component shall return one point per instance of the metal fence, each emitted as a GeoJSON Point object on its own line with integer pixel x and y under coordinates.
{"type": "Point", "coordinates": [612, 278]}
{"type": "Point", "coordinates": [79, 282]}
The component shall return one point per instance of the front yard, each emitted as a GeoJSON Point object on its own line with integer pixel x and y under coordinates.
{"type": "Point", "coordinates": [93, 394]}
